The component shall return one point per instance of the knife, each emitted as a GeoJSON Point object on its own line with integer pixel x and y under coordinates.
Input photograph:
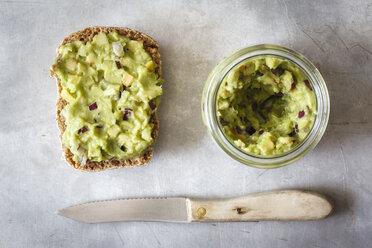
{"type": "Point", "coordinates": [273, 205]}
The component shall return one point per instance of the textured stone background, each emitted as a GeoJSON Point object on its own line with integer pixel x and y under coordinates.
{"type": "Point", "coordinates": [194, 36]}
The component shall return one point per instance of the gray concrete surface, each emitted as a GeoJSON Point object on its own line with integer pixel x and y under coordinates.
{"type": "Point", "coordinates": [194, 36]}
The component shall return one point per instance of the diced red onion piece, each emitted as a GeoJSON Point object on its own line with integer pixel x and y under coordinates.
{"type": "Point", "coordinates": [296, 128]}
{"type": "Point", "coordinates": [118, 65]}
{"type": "Point", "coordinates": [152, 105]}
{"type": "Point", "coordinates": [151, 119]}
{"type": "Point", "coordinates": [250, 130]}
{"type": "Point", "coordinates": [82, 130]}
{"type": "Point", "coordinates": [127, 112]}
{"type": "Point", "coordinates": [308, 85]}
{"type": "Point", "coordinates": [301, 114]}
{"type": "Point", "coordinates": [261, 132]}
{"type": "Point", "coordinates": [93, 106]}
{"type": "Point", "coordinates": [277, 71]}
{"type": "Point", "coordinates": [238, 129]}
{"type": "Point", "coordinates": [223, 122]}
{"type": "Point", "coordinates": [254, 106]}
{"type": "Point", "coordinates": [279, 93]}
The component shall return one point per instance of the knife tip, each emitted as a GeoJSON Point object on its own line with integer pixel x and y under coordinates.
{"type": "Point", "coordinates": [61, 212]}
{"type": "Point", "coordinates": [58, 212]}
{"type": "Point", "coordinates": [66, 213]}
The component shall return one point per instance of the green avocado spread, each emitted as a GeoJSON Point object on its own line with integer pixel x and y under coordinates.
{"type": "Point", "coordinates": [112, 91]}
{"type": "Point", "coordinates": [266, 106]}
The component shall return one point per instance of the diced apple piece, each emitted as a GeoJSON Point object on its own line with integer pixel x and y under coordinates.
{"type": "Point", "coordinates": [150, 66]}
{"type": "Point", "coordinates": [113, 130]}
{"type": "Point", "coordinates": [82, 51]}
{"type": "Point", "coordinates": [285, 140]}
{"type": "Point", "coordinates": [91, 58]}
{"type": "Point", "coordinates": [272, 63]}
{"type": "Point", "coordinates": [133, 45]}
{"type": "Point", "coordinates": [223, 104]}
{"type": "Point", "coordinates": [127, 80]}
{"type": "Point", "coordinates": [266, 145]}
{"type": "Point", "coordinates": [101, 39]}
{"type": "Point", "coordinates": [67, 96]}
{"type": "Point", "coordinates": [71, 64]}
{"type": "Point", "coordinates": [146, 133]}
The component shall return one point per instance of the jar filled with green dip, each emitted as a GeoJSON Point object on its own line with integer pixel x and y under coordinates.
{"type": "Point", "coordinates": [266, 106]}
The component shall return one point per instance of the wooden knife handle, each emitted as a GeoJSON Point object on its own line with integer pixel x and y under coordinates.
{"type": "Point", "coordinates": [274, 205]}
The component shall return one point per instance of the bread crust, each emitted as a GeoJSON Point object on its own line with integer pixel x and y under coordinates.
{"type": "Point", "coordinates": [85, 35]}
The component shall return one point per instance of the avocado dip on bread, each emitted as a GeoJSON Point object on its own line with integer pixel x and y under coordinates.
{"type": "Point", "coordinates": [109, 88]}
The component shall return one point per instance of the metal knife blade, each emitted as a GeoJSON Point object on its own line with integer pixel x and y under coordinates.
{"type": "Point", "coordinates": [142, 209]}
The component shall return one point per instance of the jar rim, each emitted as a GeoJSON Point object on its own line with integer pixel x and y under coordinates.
{"type": "Point", "coordinates": [209, 110]}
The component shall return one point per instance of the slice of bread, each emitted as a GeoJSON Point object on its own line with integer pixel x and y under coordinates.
{"type": "Point", "coordinates": [86, 35]}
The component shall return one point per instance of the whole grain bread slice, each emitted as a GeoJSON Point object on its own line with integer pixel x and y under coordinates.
{"type": "Point", "coordinates": [85, 35]}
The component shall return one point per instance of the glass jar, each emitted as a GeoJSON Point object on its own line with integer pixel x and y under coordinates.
{"type": "Point", "coordinates": [209, 106]}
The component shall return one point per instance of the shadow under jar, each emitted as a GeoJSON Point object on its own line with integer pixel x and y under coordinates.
{"type": "Point", "coordinates": [243, 147]}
